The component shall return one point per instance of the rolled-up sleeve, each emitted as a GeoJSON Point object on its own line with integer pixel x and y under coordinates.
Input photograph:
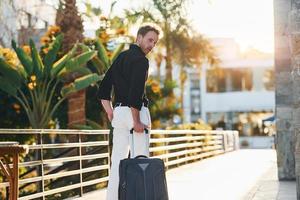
{"type": "Point", "coordinates": [105, 87]}
{"type": "Point", "coordinates": [137, 83]}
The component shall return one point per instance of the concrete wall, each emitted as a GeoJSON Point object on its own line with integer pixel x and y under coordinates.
{"type": "Point", "coordinates": [284, 95]}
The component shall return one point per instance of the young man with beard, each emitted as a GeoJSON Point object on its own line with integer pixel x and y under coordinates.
{"type": "Point", "coordinates": [127, 76]}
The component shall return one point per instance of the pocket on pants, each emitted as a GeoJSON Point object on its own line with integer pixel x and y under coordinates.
{"type": "Point", "coordinates": [119, 117]}
{"type": "Point", "coordinates": [145, 116]}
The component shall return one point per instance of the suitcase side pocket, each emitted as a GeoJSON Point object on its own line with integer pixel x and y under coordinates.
{"type": "Point", "coordinates": [160, 185]}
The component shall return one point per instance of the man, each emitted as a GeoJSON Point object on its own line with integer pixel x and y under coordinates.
{"type": "Point", "coordinates": [127, 76]}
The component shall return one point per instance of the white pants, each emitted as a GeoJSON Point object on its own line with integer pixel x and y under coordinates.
{"type": "Point", "coordinates": [122, 141]}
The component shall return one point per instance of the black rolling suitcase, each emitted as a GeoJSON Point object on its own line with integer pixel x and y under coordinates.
{"type": "Point", "coordinates": [142, 178]}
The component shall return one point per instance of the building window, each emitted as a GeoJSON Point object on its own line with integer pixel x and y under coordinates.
{"type": "Point", "coordinates": [215, 80]}
{"type": "Point", "coordinates": [241, 79]}
{"type": "Point", "coordinates": [268, 79]}
{"type": "Point", "coordinates": [228, 80]}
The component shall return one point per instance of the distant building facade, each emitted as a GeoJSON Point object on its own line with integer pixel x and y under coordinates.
{"type": "Point", "coordinates": [237, 95]}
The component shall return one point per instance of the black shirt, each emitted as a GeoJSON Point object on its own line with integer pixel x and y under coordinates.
{"type": "Point", "coordinates": [127, 75]}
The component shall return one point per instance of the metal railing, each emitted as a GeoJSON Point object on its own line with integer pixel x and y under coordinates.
{"type": "Point", "coordinates": [76, 160]}
{"type": "Point", "coordinates": [183, 146]}
{"type": "Point", "coordinates": [73, 161]}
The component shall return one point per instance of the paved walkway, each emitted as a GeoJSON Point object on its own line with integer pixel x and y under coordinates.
{"type": "Point", "coordinates": [239, 175]}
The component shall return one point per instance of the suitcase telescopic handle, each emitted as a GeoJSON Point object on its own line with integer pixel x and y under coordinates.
{"type": "Point", "coordinates": [146, 131]}
{"type": "Point", "coordinates": [132, 137]}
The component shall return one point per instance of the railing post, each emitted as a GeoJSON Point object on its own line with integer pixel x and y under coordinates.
{"type": "Point", "coordinates": [224, 141]}
{"type": "Point", "coordinates": [80, 163]}
{"type": "Point", "coordinates": [15, 184]}
{"type": "Point", "coordinates": [166, 160]}
{"type": "Point", "coordinates": [186, 148]}
{"type": "Point", "coordinates": [236, 140]}
{"type": "Point", "coordinates": [41, 158]}
{"type": "Point", "coordinates": [108, 151]}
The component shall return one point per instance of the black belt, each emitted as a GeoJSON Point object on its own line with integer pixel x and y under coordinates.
{"type": "Point", "coordinates": [126, 105]}
{"type": "Point", "coordinates": [121, 104]}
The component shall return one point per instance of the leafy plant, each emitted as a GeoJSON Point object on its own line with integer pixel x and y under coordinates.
{"type": "Point", "coordinates": [162, 108]}
{"type": "Point", "coordinates": [34, 82]}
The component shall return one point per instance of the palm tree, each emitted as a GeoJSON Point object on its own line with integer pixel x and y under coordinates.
{"type": "Point", "coordinates": [165, 14]}
{"type": "Point", "coordinates": [70, 23]}
{"type": "Point", "coordinates": [192, 51]}
{"type": "Point", "coordinates": [179, 42]}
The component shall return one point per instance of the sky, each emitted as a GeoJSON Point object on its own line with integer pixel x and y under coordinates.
{"type": "Point", "coordinates": [249, 22]}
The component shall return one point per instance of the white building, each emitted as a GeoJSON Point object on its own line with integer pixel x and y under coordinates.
{"type": "Point", "coordinates": [238, 95]}
{"type": "Point", "coordinates": [8, 26]}
{"type": "Point", "coordinates": [30, 16]}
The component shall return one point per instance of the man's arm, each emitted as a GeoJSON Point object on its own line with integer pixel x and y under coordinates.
{"type": "Point", "coordinates": [108, 108]}
{"type": "Point", "coordinates": [136, 92]}
{"type": "Point", "coordinates": [104, 93]}
{"type": "Point", "coordinates": [138, 126]}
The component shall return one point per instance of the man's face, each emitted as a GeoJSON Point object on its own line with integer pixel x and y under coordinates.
{"type": "Point", "coordinates": [147, 42]}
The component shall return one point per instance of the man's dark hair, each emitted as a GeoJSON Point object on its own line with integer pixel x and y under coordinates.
{"type": "Point", "coordinates": [143, 30]}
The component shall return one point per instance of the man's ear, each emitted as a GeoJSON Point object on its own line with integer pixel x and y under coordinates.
{"type": "Point", "coordinates": [139, 39]}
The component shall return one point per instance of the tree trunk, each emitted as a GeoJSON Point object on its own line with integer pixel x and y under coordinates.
{"type": "Point", "coordinates": [70, 22]}
{"type": "Point", "coordinates": [76, 109]}
{"type": "Point", "coordinates": [182, 81]}
{"type": "Point", "coordinates": [168, 54]}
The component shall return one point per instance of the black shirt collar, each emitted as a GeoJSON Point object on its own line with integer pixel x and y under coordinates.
{"type": "Point", "coordinates": [135, 47]}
